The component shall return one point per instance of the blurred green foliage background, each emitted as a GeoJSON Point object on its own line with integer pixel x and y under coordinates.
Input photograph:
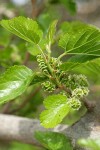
{"type": "Point", "coordinates": [14, 51]}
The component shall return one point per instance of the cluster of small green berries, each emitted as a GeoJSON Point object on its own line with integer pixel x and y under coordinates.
{"type": "Point", "coordinates": [80, 92]}
{"type": "Point", "coordinates": [52, 62]}
{"type": "Point", "coordinates": [49, 85]}
{"type": "Point", "coordinates": [77, 84]}
{"type": "Point", "coordinates": [74, 103]}
{"type": "Point", "coordinates": [75, 81]}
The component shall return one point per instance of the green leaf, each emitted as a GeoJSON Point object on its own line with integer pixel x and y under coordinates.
{"type": "Point", "coordinates": [90, 66]}
{"type": "Point", "coordinates": [14, 82]}
{"type": "Point", "coordinates": [53, 140]}
{"type": "Point", "coordinates": [25, 28]}
{"type": "Point", "coordinates": [77, 61]}
{"type": "Point", "coordinates": [85, 42]}
{"type": "Point", "coordinates": [90, 143]}
{"type": "Point", "coordinates": [33, 48]}
{"type": "Point", "coordinates": [81, 58]}
{"type": "Point", "coordinates": [91, 70]}
{"type": "Point", "coordinates": [51, 31]}
{"type": "Point", "coordinates": [68, 66]}
{"type": "Point", "coordinates": [74, 26]}
{"type": "Point", "coordinates": [56, 109]}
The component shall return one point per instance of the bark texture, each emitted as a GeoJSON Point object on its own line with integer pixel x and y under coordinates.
{"type": "Point", "coordinates": [22, 129]}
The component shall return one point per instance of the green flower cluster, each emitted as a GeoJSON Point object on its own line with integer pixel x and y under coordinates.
{"type": "Point", "coordinates": [78, 86]}
{"type": "Point", "coordinates": [42, 64]}
{"type": "Point", "coordinates": [80, 92]}
{"type": "Point", "coordinates": [56, 79]}
{"type": "Point", "coordinates": [48, 86]}
{"type": "Point", "coordinates": [74, 81]}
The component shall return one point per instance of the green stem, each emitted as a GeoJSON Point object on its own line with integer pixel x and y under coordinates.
{"type": "Point", "coordinates": [48, 48]}
{"type": "Point", "coordinates": [62, 55]}
{"type": "Point", "coordinates": [41, 51]}
{"type": "Point", "coordinates": [49, 67]}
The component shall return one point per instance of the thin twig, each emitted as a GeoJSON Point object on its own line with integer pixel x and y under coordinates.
{"type": "Point", "coordinates": [62, 55]}
{"type": "Point", "coordinates": [90, 105]}
{"type": "Point", "coordinates": [6, 107]}
{"type": "Point", "coordinates": [37, 8]}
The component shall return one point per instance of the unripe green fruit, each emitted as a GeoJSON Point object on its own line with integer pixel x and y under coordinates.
{"type": "Point", "coordinates": [75, 81]}
{"type": "Point", "coordinates": [80, 92]}
{"type": "Point", "coordinates": [74, 103]}
{"type": "Point", "coordinates": [77, 84]}
{"type": "Point", "coordinates": [82, 80]}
